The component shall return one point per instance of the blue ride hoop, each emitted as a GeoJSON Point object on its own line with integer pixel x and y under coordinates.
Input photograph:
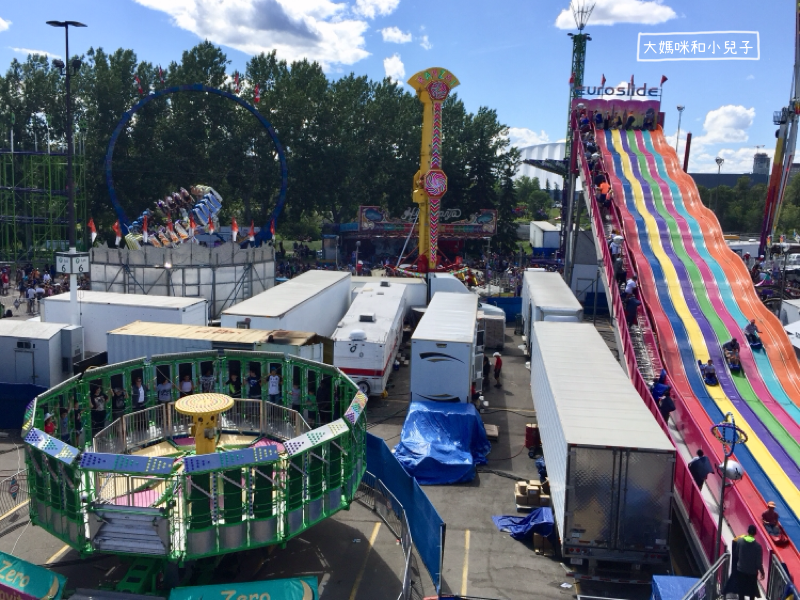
{"type": "Point", "coordinates": [265, 234]}
{"type": "Point", "coordinates": [729, 434]}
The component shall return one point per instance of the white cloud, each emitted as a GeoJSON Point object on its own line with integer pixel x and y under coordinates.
{"type": "Point", "coordinates": [315, 29]}
{"type": "Point", "coordinates": [27, 51]}
{"type": "Point", "coordinates": [522, 137]}
{"type": "Point", "coordinates": [737, 160]}
{"type": "Point", "coordinates": [610, 12]}
{"type": "Point", "coordinates": [4, 24]}
{"type": "Point", "coordinates": [372, 8]}
{"type": "Point", "coordinates": [425, 43]}
{"type": "Point", "coordinates": [750, 77]}
{"type": "Point", "coordinates": [394, 67]}
{"type": "Point", "coordinates": [726, 125]}
{"type": "Point", "coordinates": [395, 36]}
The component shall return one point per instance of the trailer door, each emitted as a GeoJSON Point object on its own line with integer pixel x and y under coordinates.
{"type": "Point", "coordinates": [592, 493]}
{"type": "Point", "coordinates": [645, 500]}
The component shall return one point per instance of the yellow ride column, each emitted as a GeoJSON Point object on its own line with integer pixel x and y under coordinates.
{"type": "Point", "coordinates": [204, 410]}
{"type": "Point", "coordinates": [430, 183]}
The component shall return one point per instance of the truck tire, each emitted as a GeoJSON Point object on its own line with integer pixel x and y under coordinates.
{"type": "Point", "coordinates": [364, 387]}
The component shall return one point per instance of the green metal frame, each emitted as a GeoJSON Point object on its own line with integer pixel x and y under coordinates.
{"type": "Point", "coordinates": [286, 496]}
{"type": "Point", "coordinates": [33, 205]}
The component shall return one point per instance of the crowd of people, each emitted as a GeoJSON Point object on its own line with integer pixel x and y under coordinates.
{"type": "Point", "coordinates": [33, 283]}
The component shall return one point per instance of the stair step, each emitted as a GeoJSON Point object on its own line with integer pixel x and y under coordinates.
{"type": "Point", "coordinates": [121, 531]}
{"type": "Point", "coordinates": [127, 547]}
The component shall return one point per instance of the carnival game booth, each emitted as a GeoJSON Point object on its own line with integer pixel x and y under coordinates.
{"type": "Point", "coordinates": [195, 476]}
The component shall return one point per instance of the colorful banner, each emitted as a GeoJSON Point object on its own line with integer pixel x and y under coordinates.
{"type": "Point", "coordinates": [21, 580]}
{"type": "Point", "coordinates": [376, 221]}
{"type": "Point", "coordinates": [298, 588]}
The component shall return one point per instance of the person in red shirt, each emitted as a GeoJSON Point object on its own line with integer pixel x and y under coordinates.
{"type": "Point", "coordinates": [498, 366]}
{"type": "Point", "coordinates": [770, 519]}
{"type": "Point", "coordinates": [49, 425]}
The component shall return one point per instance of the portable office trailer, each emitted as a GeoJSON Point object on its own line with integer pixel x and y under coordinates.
{"type": "Point", "coordinates": [101, 312]}
{"type": "Point", "coordinates": [546, 297]}
{"type": "Point", "coordinates": [609, 464]}
{"type": "Point", "coordinates": [38, 353]}
{"type": "Point", "coordinates": [446, 353]}
{"type": "Point", "coordinates": [314, 301]}
{"type": "Point", "coordinates": [367, 338]}
{"type": "Point", "coordinates": [143, 339]}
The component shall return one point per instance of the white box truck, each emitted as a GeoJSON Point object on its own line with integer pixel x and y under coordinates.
{"type": "Point", "coordinates": [367, 338]}
{"type": "Point", "coordinates": [609, 464]}
{"type": "Point", "coordinates": [143, 339]}
{"type": "Point", "coordinates": [102, 311]}
{"type": "Point", "coordinates": [546, 297]}
{"type": "Point", "coordinates": [445, 356]}
{"type": "Point", "coordinates": [545, 235]}
{"type": "Point", "coordinates": [314, 301]}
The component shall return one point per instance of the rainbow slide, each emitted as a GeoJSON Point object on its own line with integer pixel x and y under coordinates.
{"type": "Point", "coordinates": [699, 295]}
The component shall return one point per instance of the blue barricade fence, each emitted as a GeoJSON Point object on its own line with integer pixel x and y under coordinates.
{"type": "Point", "coordinates": [426, 526]}
{"type": "Point", "coordinates": [511, 305]}
{"type": "Point", "coordinates": [15, 397]}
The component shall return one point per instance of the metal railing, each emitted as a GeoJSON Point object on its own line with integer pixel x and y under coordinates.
{"type": "Point", "coordinates": [129, 490]}
{"type": "Point", "coordinates": [713, 582]}
{"type": "Point", "coordinates": [778, 580]}
{"type": "Point", "coordinates": [373, 494]}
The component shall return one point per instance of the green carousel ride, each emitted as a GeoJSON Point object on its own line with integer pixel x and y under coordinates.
{"type": "Point", "coordinates": [199, 477]}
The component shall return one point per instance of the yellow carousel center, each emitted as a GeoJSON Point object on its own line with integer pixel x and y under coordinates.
{"type": "Point", "coordinates": [204, 410]}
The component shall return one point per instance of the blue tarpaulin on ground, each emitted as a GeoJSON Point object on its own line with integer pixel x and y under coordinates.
{"type": "Point", "coordinates": [539, 520]}
{"type": "Point", "coordinates": [668, 587]}
{"type": "Point", "coordinates": [441, 442]}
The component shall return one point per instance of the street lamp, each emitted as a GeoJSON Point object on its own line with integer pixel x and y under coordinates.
{"type": "Point", "coordinates": [678, 137]}
{"type": "Point", "coordinates": [729, 435]}
{"type": "Point", "coordinates": [67, 70]}
{"type": "Point", "coordinates": [358, 245]}
{"type": "Point", "coordinates": [719, 160]}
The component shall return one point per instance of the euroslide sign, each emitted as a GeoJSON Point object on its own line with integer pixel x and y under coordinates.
{"type": "Point", "coordinates": [21, 580]}
{"type": "Point", "coordinates": [297, 588]}
{"type": "Point", "coordinates": [624, 90]}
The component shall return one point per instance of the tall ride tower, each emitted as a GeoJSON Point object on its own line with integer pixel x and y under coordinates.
{"type": "Point", "coordinates": [581, 11]}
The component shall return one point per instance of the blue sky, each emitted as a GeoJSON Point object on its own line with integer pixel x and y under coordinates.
{"type": "Point", "coordinates": [511, 55]}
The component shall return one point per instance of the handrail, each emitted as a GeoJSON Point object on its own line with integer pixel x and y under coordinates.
{"type": "Point", "coordinates": [712, 582]}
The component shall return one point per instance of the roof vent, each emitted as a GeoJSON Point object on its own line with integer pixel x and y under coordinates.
{"type": "Point", "coordinates": [358, 335]}
{"type": "Point", "coordinates": [368, 318]}
{"type": "Point", "coordinates": [384, 284]}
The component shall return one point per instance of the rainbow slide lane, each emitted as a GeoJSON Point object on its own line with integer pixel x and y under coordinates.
{"type": "Point", "coordinates": [696, 311]}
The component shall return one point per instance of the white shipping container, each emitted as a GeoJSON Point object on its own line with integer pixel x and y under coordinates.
{"type": "Point", "coordinates": [367, 338]}
{"type": "Point", "coordinates": [545, 235]}
{"type": "Point", "coordinates": [609, 464]}
{"type": "Point", "coordinates": [546, 297]}
{"type": "Point", "coordinates": [314, 301]}
{"type": "Point", "coordinates": [143, 339]}
{"type": "Point", "coordinates": [101, 312]}
{"type": "Point", "coordinates": [445, 356]}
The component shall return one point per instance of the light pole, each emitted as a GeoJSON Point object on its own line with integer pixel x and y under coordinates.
{"type": "Point", "coordinates": [358, 245]}
{"type": "Point", "coordinates": [729, 435]}
{"type": "Point", "coordinates": [719, 160]}
{"type": "Point", "coordinates": [67, 69]}
{"type": "Point", "coordinates": [678, 137]}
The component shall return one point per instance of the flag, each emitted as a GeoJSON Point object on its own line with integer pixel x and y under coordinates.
{"type": "Point", "coordinates": [191, 225]}
{"type": "Point", "coordinates": [236, 82]}
{"type": "Point", "coordinates": [210, 225]}
{"type": "Point", "coordinates": [170, 226]}
{"type": "Point", "coordinates": [252, 234]}
{"type": "Point", "coordinates": [572, 79]}
{"type": "Point", "coordinates": [138, 84]}
{"type": "Point", "coordinates": [145, 234]}
{"type": "Point", "coordinates": [118, 232]}
{"type": "Point", "coordinates": [234, 229]}
{"type": "Point", "coordinates": [603, 81]}
{"type": "Point", "coordinates": [272, 227]}
{"type": "Point", "coordinates": [257, 94]}
{"type": "Point", "coordinates": [160, 74]}
{"type": "Point", "coordinates": [93, 230]}
{"type": "Point", "coordinates": [663, 79]}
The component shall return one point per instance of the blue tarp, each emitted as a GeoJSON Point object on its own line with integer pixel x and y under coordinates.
{"type": "Point", "coordinates": [539, 520]}
{"type": "Point", "coordinates": [669, 587]}
{"type": "Point", "coordinates": [442, 442]}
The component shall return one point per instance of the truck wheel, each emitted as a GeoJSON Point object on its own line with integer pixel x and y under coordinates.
{"type": "Point", "coordinates": [363, 386]}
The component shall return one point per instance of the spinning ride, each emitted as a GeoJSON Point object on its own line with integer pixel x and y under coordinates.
{"type": "Point", "coordinates": [203, 476]}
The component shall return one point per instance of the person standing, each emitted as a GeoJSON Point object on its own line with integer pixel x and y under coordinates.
{"type": "Point", "coordinates": [487, 371]}
{"type": "Point", "coordinates": [253, 385]}
{"type": "Point", "coordinates": [117, 403]}
{"type": "Point", "coordinates": [207, 381]}
{"type": "Point", "coordinates": [99, 400]}
{"type": "Point", "coordinates": [274, 386]}
{"type": "Point", "coordinates": [700, 468]}
{"type": "Point", "coordinates": [666, 405]}
{"type": "Point", "coordinates": [234, 386]}
{"type": "Point", "coordinates": [498, 367]}
{"type": "Point", "coordinates": [631, 309]}
{"type": "Point", "coordinates": [186, 386]}
{"type": "Point", "coordinates": [748, 566]}
{"type": "Point", "coordinates": [164, 391]}
{"type": "Point", "coordinates": [139, 395]}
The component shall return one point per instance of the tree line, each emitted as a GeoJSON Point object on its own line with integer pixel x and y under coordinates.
{"type": "Point", "coordinates": [349, 141]}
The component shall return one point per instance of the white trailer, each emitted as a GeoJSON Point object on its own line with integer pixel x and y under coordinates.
{"type": "Point", "coordinates": [446, 359]}
{"type": "Point", "coordinates": [102, 311]}
{"type": "Point", "coordinates": [143, 339]}
{"type": "Point", "coordinates": [39, 353]}
{"type": "Point", "coordinates": [314, 301]}
{"type": "Point", "coordinates": [367, 338]}
{"type": "Point", "coordinates": [546, 297]}
{"type": "Point", "coordinates": [416, 289]}
{"type": "Point", "coordinates": [609, 464]}
{"type": "Point", "coordinates": [544, 234]}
